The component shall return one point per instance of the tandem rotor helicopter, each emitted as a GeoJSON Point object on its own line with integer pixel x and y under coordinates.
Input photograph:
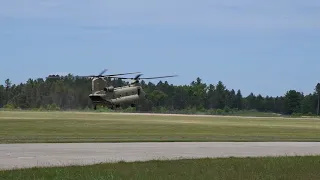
{"type": "Point", "coordinates": [114, 97]}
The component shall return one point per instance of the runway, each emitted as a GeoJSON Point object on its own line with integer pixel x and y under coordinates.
{"type": "Point", "coordinates": [32, 155]}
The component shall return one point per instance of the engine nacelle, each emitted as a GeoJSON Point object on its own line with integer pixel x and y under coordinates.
{"type": "Point", "coordinates": [109, 89]}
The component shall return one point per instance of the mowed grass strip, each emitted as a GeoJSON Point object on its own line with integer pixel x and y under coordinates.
{"type": "Point", "coordinates": [27, 127]}
{"type": "Point", "coordinates": [264, 168]}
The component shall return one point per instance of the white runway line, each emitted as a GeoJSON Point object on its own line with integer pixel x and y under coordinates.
{"type": "Point", "coordinates": [51, 154]}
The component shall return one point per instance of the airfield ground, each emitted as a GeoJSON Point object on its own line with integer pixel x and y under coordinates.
{"type": "Point", "coordinates": [31, 127]}
{"type": "Point", "coordinates": [38, 127]}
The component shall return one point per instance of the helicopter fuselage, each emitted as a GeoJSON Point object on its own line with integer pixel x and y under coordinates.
{"type": "Point", "coordinates": [115, 97]}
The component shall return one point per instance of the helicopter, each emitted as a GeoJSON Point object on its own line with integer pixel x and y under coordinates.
{"type": "Point", "coordinates": [114, 97]}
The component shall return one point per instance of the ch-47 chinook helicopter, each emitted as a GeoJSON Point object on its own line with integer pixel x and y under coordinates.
{"type": "Point", "coordinates": [114, 97]}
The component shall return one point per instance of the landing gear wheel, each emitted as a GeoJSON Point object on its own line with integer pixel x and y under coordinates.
{"type": "Point", "coordinates": [133, 105]}
{"type": "Point", "coordinates": [95, 107]}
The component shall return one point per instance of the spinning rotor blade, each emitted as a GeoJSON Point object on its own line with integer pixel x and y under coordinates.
{"type": "Point", "coordinates": [122, 74]}
{"type": "Point", "coordinates": [102, 72]}
{"type": "Point", "coordinates": [109, 75]}
{"type": "Point", "coordinates": [158, 77]}
{"type": "Point", "coordinates": [99, 75]}
{"type": "Point", "coordinates": [138, 77]}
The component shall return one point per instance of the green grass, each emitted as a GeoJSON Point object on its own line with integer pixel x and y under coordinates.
{"type": "Point", "coordinates": [23, 127]}
{"type": "Point", "coordinates": [252, 113]}
{"type": "Point", "coordinates": [266, 168]}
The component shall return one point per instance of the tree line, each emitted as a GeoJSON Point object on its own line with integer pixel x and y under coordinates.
{"type": "Point", "coordinates": [71, 92]}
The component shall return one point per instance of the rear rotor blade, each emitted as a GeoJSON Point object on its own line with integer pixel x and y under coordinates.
{"type": "Point", "coordinates": [110, 75]}
{"type": "Point", "coordinates": [158, 77]}
{"type": "Point", "coordinates": [138, 77]}
{"type": "Point", "coordinates": [121, 74]}
{"type": "Point", "coordinates": [92, 76]}
{"type": "Point", "coordinates": [121, 78]}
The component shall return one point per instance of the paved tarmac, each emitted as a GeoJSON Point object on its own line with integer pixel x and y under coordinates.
{"type": "Point", "coordinates": [31, 155]}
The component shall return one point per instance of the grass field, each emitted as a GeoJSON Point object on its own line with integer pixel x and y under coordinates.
{"type": "Point", "coordinates": [22, 127]}
{"type": "Point", "coordinates": [285, 168]}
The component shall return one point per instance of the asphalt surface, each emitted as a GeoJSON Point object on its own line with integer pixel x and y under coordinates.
{"type": "Point", "coordinates": [31, 155]}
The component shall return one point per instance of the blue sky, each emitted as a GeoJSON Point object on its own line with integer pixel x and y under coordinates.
{"type": "Point", "coordinates": [265, 47]}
